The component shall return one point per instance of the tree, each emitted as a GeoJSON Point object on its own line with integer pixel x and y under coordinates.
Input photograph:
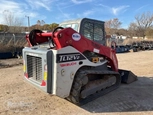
{"type": "Point", "coordinates": [38, 24]}
{"type": "Point", "coordinates": [42, 22]}
{"type": "Point", "coordinates": [149, 33]}
{"type": "Point", "coordinates": [115, 23]}
{"type": "Point", "coordinates": [112, 26]}
{"type": "Point", "coordinates": [46, 27]}
{"type": "Point", "coordinates": [53, 26]}
{"type": "Point", "coordinates": [33, 27]}
{"type": "Point", "coordinates": [49, 27]}
{"type": "Point", "coordinates": [14, 23]}
{"type": "Point", "coordinates": [42, 25]}
{"type": "Point", "coordinates": [143, 22]}
{"type": "Point", "coordinates": [108, 27]}
{"type": "Point", "coordinates": [133, 29]}
{"type": "Point", "coordinates": [123, 32]}
{"type": "Point", "coordinates": [3, 28]}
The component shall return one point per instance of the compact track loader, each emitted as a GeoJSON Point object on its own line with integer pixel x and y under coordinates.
{"type": "Point", "coordinates": [73, 61]}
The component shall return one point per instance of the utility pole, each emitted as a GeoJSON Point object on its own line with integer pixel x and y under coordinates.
{"type": "Point", "coordinates": [28, 23]}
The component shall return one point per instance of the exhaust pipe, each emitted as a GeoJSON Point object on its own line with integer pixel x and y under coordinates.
{"type": "Point", "coordinates": [127, 76]}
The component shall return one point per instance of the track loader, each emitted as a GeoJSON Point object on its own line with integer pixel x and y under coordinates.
{"type": "Point", "coordinates": [73, 61]}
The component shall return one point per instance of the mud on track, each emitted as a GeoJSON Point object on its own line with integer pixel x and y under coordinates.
{"type": "Point", "coordinates": [20, 97]}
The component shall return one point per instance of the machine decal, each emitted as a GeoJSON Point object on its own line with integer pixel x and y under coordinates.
{"type": "Point", "coordinates": [68, 64]}
{"type": "Point", "coordinates": [96, 50]}
{"type": "Point", "coordinates": [67, 57]}
{"type": "Point", "coordinates": [76, 36]}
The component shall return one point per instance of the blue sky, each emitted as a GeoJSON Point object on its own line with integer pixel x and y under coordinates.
{"type": "Point", "coordinates": [60, 10]}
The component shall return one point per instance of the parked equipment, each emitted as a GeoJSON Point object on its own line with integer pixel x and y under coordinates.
{"type": "Point", "coordinates": [142, 45]}
{"type": "Point", "coordinates": [73, 62]}
{"type": "Point", "coordinates": [122, 48]}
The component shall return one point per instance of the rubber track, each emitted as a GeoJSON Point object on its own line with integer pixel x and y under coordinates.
{"type": "Point", "coordinates": [77, 84]}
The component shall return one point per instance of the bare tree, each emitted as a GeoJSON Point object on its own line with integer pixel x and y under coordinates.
{"type": "Point", "coordinates": [149, 33]}
{"type": "Point", "coordinates": [42, 22]}
{"type": "Point", "coordinates": [115, 23]}
{"type": "Point", "coordinates": [133, 29]}
{"type": "Point", "coordinates": [38, 22]}
{"type": "Point", "coordinates": [12, 21]}
{"type": "Point", "coordinates": [144, 21]}
{"type": "Point", "coordinates": [108, 27]}
{"type": "Point", "coordinates": [112, 26]}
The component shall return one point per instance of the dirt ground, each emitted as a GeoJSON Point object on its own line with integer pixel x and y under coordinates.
{"type": "Point", "coordinates": [20, 97]}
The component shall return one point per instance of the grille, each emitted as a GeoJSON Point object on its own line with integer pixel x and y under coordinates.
{"type": "Point", "coordinates": [34, 68]}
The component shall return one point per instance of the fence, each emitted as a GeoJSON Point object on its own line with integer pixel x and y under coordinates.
{"type": "Point", "coordinates": [11, 44]}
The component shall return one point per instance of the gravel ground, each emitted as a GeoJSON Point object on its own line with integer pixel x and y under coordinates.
{"type": "Point", "coordinates": [20, 97]}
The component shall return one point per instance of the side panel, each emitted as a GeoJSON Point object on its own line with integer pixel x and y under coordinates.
{"type": "Point", "coordinates": [67, 66]}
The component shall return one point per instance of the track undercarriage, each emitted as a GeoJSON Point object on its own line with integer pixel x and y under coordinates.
{"type": "Point", "coordinates": [90, 84]}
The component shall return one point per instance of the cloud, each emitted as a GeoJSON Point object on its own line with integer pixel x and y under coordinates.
{"type": "Point", "coordinates": [119, 9]}
{"type": "Point", "coordinates": [81, 1]}
{"type": "Point", "coordinates": [10, 5]}
{"type": "Point", "coordinates": [36, 4]}
{"type": "Point", "coordinates": [65, 15]}
{"type": "Point", "coordinates": [115, 10]}
{"type": "Point", "coordinates": [19, 10]}
{"type": "Point", "coordinates": [86, 13]}
{"type": "Point", "coordinates": [15, 8]}
{"type": "Point", "coordinates": [141, 7]}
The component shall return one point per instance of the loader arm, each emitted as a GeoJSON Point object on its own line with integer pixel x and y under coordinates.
{"type": "Point", "coordinates": [69, 37]}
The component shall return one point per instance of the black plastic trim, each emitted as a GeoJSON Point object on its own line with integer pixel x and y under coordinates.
{"type": "Point", "coordinates": [49, 71]}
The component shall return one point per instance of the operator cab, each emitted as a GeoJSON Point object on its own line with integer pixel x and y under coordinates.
{"type": "Point", "coordinates": [90, 28]}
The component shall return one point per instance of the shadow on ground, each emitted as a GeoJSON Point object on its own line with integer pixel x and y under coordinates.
{"type": "Point", "coordinates": [5, 63]}
{"type": "Point", "coordinates": [137, 96]}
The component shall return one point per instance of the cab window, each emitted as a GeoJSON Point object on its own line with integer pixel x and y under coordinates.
{"type": "Point", "coordinates": [93, 31]}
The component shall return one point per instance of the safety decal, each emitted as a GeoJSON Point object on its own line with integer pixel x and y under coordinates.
{"type": "Point", "coordinates": [45, 76]}
{"type": "Point", "coordinates": [96, 50]}
{"type": "Point", "coordinates": [76, 36]}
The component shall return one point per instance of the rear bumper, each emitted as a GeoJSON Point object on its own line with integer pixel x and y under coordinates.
{"type": "Point", "coordinates": [38, 68]}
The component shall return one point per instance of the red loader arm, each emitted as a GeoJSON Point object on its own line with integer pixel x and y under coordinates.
{"type": "Point", "coordinates": [69, 37]}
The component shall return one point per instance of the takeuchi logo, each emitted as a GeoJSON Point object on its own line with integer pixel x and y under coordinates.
{"type": "Point", "coordinates": [76, 36]}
